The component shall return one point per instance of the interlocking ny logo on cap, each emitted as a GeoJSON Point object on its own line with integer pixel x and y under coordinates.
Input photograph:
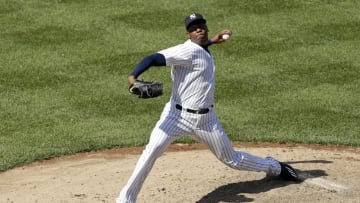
{"type": "Point", "coordinates": [193, 16]}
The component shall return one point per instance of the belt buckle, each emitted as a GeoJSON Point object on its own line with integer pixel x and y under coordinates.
{"type": "Point", "coordinates": [202, 111]}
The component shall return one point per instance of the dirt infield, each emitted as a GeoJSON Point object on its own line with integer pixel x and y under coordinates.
{"type": "Point", "coordinates": [186, 174]}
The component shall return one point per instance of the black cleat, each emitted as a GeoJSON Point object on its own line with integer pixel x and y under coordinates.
{"type": "Point", "coordinates": [288, 173]}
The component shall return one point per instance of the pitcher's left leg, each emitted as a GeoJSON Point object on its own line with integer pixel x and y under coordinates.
{"type": "Point", "coordinates": [158, 142]}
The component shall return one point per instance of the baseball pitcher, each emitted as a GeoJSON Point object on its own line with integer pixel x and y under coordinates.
{"type": "Point", "coordinates": [190, 110]}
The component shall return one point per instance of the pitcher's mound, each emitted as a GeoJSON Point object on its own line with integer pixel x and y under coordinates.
{"type": "Point", "coordinates": [188, 173]}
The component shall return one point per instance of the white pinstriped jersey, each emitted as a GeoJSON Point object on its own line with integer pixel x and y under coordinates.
{"type": "Point", "coordinates": [192, 72]}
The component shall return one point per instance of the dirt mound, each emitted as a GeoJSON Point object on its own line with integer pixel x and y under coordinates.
{"type": "Point", "coordinates": [188, 173]}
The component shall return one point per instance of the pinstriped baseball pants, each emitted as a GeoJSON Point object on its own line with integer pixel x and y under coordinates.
{"type": "Point", "coordinates": [205, 128]}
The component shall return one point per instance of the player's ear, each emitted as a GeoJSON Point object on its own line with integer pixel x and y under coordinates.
{"type": "Point", "coordinates": [188, 34]}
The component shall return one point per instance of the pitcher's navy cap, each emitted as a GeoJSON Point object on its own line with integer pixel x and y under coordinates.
{"type": "Point", "coordinates": [194, 18]}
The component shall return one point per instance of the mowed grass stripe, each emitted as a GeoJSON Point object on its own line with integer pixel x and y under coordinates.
{"type": "Point", "coordinates": [289, 73]}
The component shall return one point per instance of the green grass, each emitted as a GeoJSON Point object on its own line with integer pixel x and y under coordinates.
{"type": "Point", "coordinates": [290, 73]}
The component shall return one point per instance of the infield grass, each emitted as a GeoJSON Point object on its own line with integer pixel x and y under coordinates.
{"type": "Point", "coordinates": [289, 73]}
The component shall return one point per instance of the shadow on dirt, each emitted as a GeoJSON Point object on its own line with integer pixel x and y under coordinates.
{"type": "Point", "coordinates": [236, 192]}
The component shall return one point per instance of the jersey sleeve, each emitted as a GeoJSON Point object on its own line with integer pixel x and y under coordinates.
{"type": "Point", "coordinates": [177, 55]}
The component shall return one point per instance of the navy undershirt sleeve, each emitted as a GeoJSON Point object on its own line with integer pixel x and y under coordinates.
{"type": "Point", "coordinates": [151, 60]}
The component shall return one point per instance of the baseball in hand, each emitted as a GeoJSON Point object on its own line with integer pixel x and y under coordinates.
{"type": "Point", "coordinates": [225, 36]}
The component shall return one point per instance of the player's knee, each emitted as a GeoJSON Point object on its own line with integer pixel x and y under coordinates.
{"type": "Point", "coordinates": [232, 164]}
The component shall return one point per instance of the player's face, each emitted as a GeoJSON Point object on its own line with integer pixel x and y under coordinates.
{"type": "Point", "coordinates": [198, 33]}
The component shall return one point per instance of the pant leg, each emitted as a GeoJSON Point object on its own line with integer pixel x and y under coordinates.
{"type": "Point", "coordinates": [158, 143]}
{"type": "Point", "coordinates": [165, 132]}
{"type": "Point", "coordinates": [213, 135]}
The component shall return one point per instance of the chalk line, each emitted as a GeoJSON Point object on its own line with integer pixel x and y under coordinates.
{"type": "Point", "coordinates": [323, 183]}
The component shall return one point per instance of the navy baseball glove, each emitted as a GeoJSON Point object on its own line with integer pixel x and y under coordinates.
{"type": "Point", "coordinates": [146, 89]}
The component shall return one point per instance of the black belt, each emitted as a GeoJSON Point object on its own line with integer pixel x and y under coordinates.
{"type": "Point", "coordinates": [199, 111]}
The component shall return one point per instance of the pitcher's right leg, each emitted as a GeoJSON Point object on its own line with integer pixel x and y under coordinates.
{"type": "Point", "coordinates": [214, 136]}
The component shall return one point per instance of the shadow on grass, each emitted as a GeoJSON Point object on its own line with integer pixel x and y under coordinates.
{"type": "Point", "coordinates": [236, 192]}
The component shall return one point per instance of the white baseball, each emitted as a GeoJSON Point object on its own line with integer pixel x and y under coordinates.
{"type": "Point", "coordinates": [225, 36]}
